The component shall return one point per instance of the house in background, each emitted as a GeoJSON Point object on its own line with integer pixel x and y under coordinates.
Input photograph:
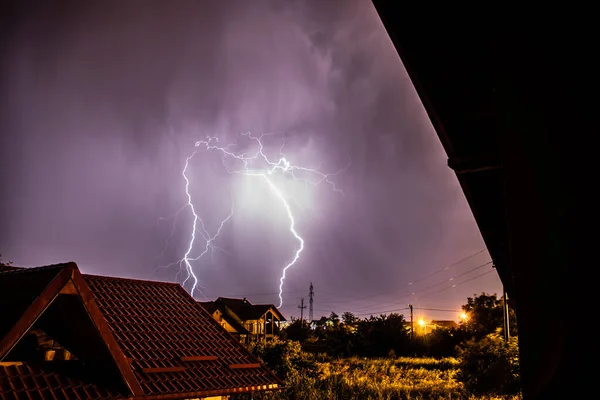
{"type": "Point", "coordinates": [424, 327]}
{"type": "Point", "coordinates": [447, 324]}
{"type": "Point", "coordinates": [72, 336]}
{"type": "Point", "coordinates": [227, 319]}
{"type": "Point", "coordinates": [258, 321]}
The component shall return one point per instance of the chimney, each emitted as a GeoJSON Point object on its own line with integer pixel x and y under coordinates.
{"type": "Point", "coordinates": [245, 301]}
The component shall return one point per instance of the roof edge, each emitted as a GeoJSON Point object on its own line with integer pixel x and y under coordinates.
{"type": "Point", "coordinates": [37, 307]}
{"type": "Point", "coordinates": [131, 279]}
{"type": "Point", "coordinates": [95, 314]}
{"type": "Point", "coordinates": [209, 393]}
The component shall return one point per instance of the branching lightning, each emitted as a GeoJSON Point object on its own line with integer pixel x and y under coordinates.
{"type": "Point", "coordinates": [185, 262]}
{"type": "Point", "coordinates": [259, 165]}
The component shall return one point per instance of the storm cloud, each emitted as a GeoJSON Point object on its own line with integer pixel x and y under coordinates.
{"type": "Point", "coordinates": [102, 103]}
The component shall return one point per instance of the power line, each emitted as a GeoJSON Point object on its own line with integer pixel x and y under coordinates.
{"type": "Point", "coordinates": [349, 300]}
{"type": "Point", "coordinates": [382, 312]}
{"type": "Point", "coordinates": [448, 267]}
{"type": "Point", "coordinates": [437, 309]}
{"type": "Point", "coordinates": [454, 277]}
{"type": "Point", "coordinates": [432, 286]}
{"type": "Point", "coordinates": [302, 307]}
{"type": "Point", "coordinates": [453, 286]}
{"type": "Point", "coordinates": [458, 284]}
{"type": "Point", "coordinates": [411, 283]}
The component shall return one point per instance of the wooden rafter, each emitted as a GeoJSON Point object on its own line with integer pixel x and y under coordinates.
{"type": "Point", "coordinates": [35, 310]}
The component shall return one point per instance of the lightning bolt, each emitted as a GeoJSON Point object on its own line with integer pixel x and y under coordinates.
{"type": "Point", "coordinates": [267, 168]}
{"type": "Point", "coordinates": [283, 165]}
{"type": "Point", "coordinates": [185, 262]}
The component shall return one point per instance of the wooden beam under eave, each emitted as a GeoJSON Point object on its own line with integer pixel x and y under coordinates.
{"type": "Point", "coordinates": [35, 310]}
{"type": "Point", "coordinates": [69, 288]}
{"type": "Point", "coordinates": [103, 329]}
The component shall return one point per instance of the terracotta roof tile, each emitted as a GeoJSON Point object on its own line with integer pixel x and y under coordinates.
{"type": "Point", "coordinates": [26, 381]}
{"type": "Point", "coordinates": [157, 323]}
{"type": "Point", "coordinates": [154, 324]}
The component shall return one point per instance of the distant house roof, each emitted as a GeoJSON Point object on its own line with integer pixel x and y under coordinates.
{"type": "Point", "coordinates": [131, 338]}
{"type": "Point", "coordinates": [445, 324]}
{"type": "Point", "coordinates": [209, 306]}
{"type": "Point", "coordinates": [227, 315]}
{"type": "Point", "coordinates": [247, 311]}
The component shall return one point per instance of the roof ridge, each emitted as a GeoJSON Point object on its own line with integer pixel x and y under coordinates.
{"type": "Point", "coordinates": [112, 278]}
{"type": "Point", "coordinates": [13, 269]}
{"type": "Point", "coordinates": [232, 298]}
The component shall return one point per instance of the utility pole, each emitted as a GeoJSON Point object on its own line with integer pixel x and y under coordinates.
{"type": "Point", "coordinates": [412, 324]}
{"type": "Point", "coordinates": [506, 319]}
{"type": "Point", "coordinates": [302, 307]}
{"type": "Point", "coordinates": [310, 301]}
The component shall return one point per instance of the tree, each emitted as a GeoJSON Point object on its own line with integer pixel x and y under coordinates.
{"type": "Point", "coordinates": [333, 317]}
{"type": "Point", "coordinates": [440, 342]}
{"type": "Point", "coordinates": [296, 331]}
{"type": "Point", "coordinates": [349, 319]}
{"type": "Point", "coordinates": [490, 365]}
{"type": "Point", "coordinates": [485, 314]}
{"type": "Point", "coordinates": [380, 336]}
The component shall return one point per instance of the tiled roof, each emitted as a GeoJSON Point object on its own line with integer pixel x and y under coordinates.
{"type": "Point", "coordinates": [158, 339]}
{"type": "Point", "coordinates": [158, 324]}
{"type": "Point", "coordinates": [247, 311]}
{"type": "Point", "coordinates": [22, 381]}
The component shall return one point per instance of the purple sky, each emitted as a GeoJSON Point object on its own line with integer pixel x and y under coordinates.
{"type": "Point", "coordinates": [101, 103]}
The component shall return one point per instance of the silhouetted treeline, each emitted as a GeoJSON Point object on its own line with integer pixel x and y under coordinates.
{"type": "Point", "coordinates": [386, 335]}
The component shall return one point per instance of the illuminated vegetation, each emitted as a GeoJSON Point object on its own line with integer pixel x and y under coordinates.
{"type": "Point", "coordinates": [376, 358]}
{"type": "Point", "coordinates": [362, 378]}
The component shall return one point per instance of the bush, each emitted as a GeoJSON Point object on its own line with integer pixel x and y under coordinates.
{"type": "Point", "coordinates": [489, 365]}
{"type": "Point", "coordinates": [284, 358]}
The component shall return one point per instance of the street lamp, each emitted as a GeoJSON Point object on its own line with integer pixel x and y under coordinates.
{"type": "Point", "coordinates": [423, 325]}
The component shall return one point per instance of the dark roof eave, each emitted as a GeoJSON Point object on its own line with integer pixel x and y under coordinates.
{"type": "Point", "coordinates": [208, 393]}
{"type": "Point", "coordinates": [461, 110]}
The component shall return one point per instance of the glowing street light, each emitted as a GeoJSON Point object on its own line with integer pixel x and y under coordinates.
{"type": "Point", "coordinates": [423, 325]}
{"type": "Point", "coordinates": [464, 317]}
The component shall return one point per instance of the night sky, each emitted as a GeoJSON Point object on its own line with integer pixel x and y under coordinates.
{"type": "Point", "coordinates": [101, 103]}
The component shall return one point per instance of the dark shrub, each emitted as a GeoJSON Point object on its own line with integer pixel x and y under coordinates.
{"type": "Point", "coordinates": [490, 365]}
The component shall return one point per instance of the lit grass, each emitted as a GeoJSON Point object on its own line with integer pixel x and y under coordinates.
{"type": "Point", "coordinates": [378, 379]}
{"type": "Point", "coordinates": [402, 378]}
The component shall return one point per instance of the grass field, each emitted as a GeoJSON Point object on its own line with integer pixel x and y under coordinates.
{"type": "Point", "coordinates": [365, 379]}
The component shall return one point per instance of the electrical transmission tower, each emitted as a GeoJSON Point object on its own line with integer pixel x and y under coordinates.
{"type": "Point", "coordinates": [310, 297]}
